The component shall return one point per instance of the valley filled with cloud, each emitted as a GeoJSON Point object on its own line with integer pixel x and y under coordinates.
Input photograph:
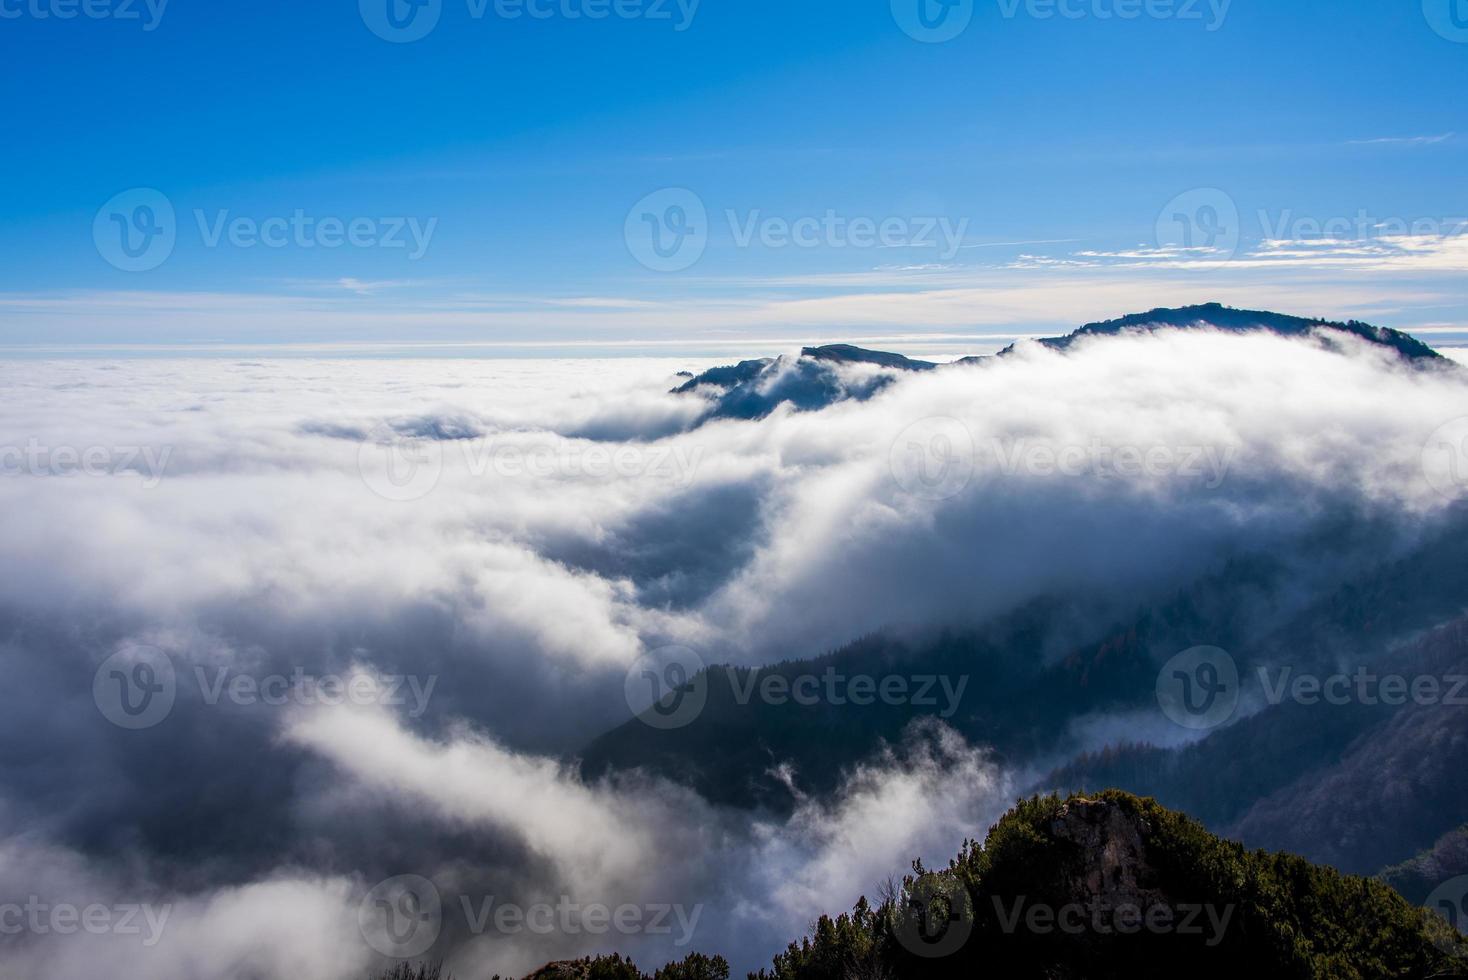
{"type": "Point", "coordinates": [385, 606]}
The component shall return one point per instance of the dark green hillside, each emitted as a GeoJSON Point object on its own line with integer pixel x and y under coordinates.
{"type": "Point", "coordinates": [1105, 887]}
{"type": "Point", "coordinates": [1265, 915]}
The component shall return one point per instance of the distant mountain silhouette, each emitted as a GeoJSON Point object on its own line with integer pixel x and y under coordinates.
{"type": "Point", "coordinates": [1220, 317]}
{"type": "Point", "coordinates": [812, 381]}
{"type": "Point", "coordinates": [823, 376]}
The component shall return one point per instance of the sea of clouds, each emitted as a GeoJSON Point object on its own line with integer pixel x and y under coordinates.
{"type": "Point", "coordinates": [480, 550]}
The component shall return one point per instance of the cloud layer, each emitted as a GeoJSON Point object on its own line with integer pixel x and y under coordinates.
{"type": "Point", "coordinates": [446, 531]}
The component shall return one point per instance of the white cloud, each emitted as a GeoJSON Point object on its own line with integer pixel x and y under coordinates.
{"type": "Point", "coordinates": [1403, 140]}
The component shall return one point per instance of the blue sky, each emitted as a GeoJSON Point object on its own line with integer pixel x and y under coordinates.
{"type": "Point", "coordinates": [1052, 162]}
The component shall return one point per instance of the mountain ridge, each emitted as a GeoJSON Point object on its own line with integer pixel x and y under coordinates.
{"type": "Point", "coordinates": [816, 379]}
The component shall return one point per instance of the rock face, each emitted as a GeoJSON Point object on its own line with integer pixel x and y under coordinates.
{"type": "Point", "coordinates": [1115, 870]}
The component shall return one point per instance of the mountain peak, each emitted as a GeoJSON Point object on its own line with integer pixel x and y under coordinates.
{"type": "Point", "coordinates": [1219, 317]}
{"type": "Point", "coordinates": [755, 388]}
{"type": "Point", "coordinates": [851, 354]}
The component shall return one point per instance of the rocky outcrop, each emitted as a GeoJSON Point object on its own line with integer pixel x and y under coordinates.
{"type": "Point", "coordinates": [1115, 870]}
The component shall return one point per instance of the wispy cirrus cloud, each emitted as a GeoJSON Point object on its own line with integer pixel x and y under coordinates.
{"type": "Point", "coordinates": [1445, 252]}
{"type": "Point", "coordinates": [1403, 140]}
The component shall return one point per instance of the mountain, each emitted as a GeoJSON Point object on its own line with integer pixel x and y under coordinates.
{"type": "Point", "coordinates": [1220, 317]}
{"type": "Point", "coordinates": [819, 377]}
{"type": "Point", "coordinates": [1024, 706]}
{"type": "Point", "coordinates": [1100, 887]}
{"type": "Point", "coordinates": [1395, 788]}
{"type": "Point", "coordinates": [1358, 786]}
{"type": "Point", "coordinates": [1445, 860]}
{"type": "Point", "coordinates": [823, 376]}
{"type": "Point", "coordinates": [847, 354]}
